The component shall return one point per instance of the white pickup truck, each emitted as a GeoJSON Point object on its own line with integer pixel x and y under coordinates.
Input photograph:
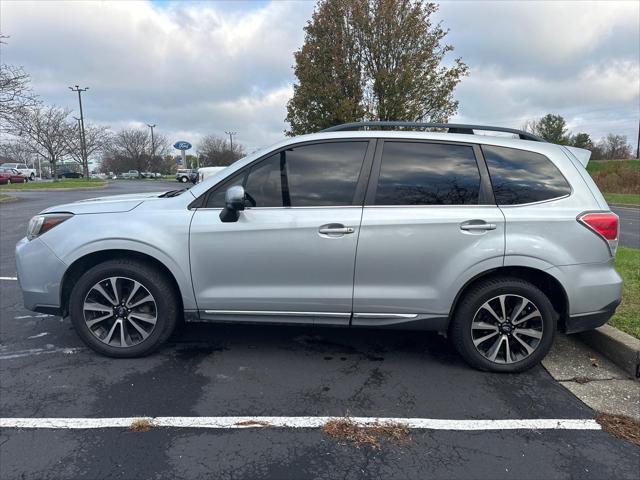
{"type": "Point", "coordinates": [30, 173]}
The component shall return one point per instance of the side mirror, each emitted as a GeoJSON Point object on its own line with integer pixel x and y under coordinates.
{"type": "Point", "coordinates": [234, 204]}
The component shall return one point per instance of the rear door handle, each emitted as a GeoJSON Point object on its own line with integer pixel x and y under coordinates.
{"type": "Point", "coordinates": [475, 227]}
{"type": "Point", "coordinates": [335, 229]}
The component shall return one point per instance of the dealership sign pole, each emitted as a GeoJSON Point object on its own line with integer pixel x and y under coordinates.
{"type": "Point", "coordinates": [183, 147]}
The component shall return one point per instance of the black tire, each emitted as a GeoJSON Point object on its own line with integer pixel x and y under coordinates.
{"type": "Point", "coordinates": [460, 331]}
{"type": "Point", "coordinates": [157, 284]}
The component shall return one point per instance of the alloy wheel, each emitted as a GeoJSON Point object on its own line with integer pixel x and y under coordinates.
{"type": "Point", "coordinates": [120, 312]}
{"type": "Point", "coordinates": [507, 328]}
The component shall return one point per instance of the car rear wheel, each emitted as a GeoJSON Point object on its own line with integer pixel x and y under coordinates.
{"type": "Point", "coordinates": [503, 325]}
{"type": "Point", "coordinates": [124, 308]}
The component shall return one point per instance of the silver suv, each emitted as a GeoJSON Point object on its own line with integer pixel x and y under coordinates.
{"type": "Point", "coordinates": [498, 241]}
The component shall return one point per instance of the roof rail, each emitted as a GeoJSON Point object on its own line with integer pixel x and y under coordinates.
{"type": "Point", "coordinates": [451, 128]}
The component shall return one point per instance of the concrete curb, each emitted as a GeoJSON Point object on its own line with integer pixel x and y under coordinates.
{"type": "Point", "coordinates": [619, 347]}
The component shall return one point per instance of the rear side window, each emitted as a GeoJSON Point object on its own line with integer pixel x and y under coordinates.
{"type": "Point", "coordinates": [323, 174]}
{"type": "Point", "coordinates": [519, 176]}
{"type": "Point", "coordinates": [417, 173]}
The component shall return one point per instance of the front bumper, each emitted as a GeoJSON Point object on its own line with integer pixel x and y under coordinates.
{"type": "Point", "coordinates": [40, 274]}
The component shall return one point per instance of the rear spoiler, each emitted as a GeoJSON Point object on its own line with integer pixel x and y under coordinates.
{"type": "Point", "coordinates": [581, 154]}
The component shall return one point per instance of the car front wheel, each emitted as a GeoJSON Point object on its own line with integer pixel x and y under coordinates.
{"type": "Point", "coordinates": [503, 325]}
{"type": "Point", "coordinates": [124, 308]}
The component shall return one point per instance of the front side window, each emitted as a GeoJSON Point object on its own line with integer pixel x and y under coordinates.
{"type": "Point", "coordinates": [323, 174]}
{"type": "Point", "coordinates": [520, 176]}
{"type": "Point", "coordinates": [418, 173]}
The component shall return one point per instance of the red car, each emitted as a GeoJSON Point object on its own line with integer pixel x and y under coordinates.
{"type": "Point", "coordinates": [11, 175]}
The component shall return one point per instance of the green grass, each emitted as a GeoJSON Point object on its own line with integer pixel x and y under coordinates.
{"type": "Point", "coordinates": [599, 165]}
{"type": "Point", "coordinates": [627, 317]}
{"type": "Point", "coordinates": [66, 183]}
{"type": "Point", "coordinates": [622, 198]}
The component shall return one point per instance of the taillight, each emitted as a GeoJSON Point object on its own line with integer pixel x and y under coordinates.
{"type": "Point", "coordinates": [605, 224]}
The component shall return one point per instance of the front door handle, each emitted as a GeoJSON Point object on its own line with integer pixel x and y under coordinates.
{"type": "Point", "coordinates": [476, 227]}
{"type": "Point", "coordinates": [335, 229]}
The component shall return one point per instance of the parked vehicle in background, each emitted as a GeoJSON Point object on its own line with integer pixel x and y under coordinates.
{"type": "Point", "coordinates": [183, 175]}
{"type": "Point", "coordinates": [206, 172]}
{"type": "Point", "coordinates": [150, 175]}
{"type": "Point", "coordinates": [29, 173]}
{"type": "Point", "coordinates": [68, 173]}
{"type": "Point", "coordinates": [496, 241]}
{"type": "Point", "coordinates": [131, 174]}
{"type": "Point", "coordinates": [11, 175]}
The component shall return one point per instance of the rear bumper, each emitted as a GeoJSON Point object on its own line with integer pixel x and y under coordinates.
{"type": "Point", "coordinates": [588, 321]}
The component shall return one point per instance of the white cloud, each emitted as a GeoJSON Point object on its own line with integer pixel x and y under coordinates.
{"type": "Point", "coordinates": [195, 68]}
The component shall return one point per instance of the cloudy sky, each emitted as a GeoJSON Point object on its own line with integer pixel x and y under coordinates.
{"type": "Point", "coordinates": [203, 67]}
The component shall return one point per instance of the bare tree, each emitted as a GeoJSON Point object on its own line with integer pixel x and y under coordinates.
{"type": "Point", "coordinates": [96, 139]}
{"type": "Point", "coordinates": [15, 90]}
{"type": "Point", "coordinates": [133, 145]}
{"type": "Point", "coordinates": [615, 147]}
{"type": "Point", "coordinates": [216, 151]}
{"type": "Point", "coordinates": [45, 130]}
{"type": "Point", "coordinates": [15, 151]}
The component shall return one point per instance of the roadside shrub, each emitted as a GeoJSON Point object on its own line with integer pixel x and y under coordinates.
{"type": "Point", "coordinates": [618, 177]}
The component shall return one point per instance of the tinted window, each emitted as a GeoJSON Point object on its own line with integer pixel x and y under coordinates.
{"type": "Point", "coordinates": [520, 177]}
{"type": "Point", "coordinates": [427, 174]}
{"type": "Point", "coordinates": [324, 174]}
{"type": "Point", "coordinates": [216, 198]}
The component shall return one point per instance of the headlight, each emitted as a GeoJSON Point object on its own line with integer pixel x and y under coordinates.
{"type": "Point", "coordinates": [43, 223]}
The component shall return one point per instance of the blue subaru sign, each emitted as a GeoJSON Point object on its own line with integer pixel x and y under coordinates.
{"type": "Point", "coordinates": [182, 145]}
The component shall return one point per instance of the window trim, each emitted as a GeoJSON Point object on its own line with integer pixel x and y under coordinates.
{"type": "Point", "coordinates": [361, 183]}
{"type": "Point", "coordinates": [507, 205]}
{"type": "Point", "coordinates": [485, 194]}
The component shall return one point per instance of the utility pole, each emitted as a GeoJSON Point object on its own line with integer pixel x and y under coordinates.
{"type": "Point", "coordinates": [638, 146]}
{"type": "Point", "coordinates": [82, 145]}
{"type": "Point", "coordinates": [85, 164]}
{"type": "Point", "coordinates": [231, 134]}
{"type": "Point", "coordinates": [153, 145]}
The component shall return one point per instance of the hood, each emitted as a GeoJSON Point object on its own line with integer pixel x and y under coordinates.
{"type": "Point", "coordinates": [110, 204]}
{"type": "Point", "coordinates": [119, 198]}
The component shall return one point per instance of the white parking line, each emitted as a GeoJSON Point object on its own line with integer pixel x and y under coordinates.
{"type": "Point", "coordinates": [298, 422]}
{"type": "Point", "coordinates": [9, 278]}
{"type": "Point", "coordinates": [37, 351]}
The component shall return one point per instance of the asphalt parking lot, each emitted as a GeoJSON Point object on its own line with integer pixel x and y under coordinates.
{"type": "Point", "coordinates": [222, 370]}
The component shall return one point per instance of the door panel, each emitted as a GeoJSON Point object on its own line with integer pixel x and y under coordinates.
{"type": "Point", "coordinates": [275, 260]}
{"type": "Point", "coordinates": [290, 257]}
{"type": "Point", "coordinates": [428, 226]}
{"type": "Point", "coordinates": [414, 260]}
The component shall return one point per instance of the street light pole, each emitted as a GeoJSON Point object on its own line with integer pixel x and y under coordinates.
{"type": "Point", "coordinates": [638, 146]}
{"type": "Point", "coordinates": [82, 146]}
{"type": "Point", "coordinates": [231, 134]}
{"type": "Point", "coordinates": [85, 166]}
{"type": "Point", "coordinates": [153, 145]}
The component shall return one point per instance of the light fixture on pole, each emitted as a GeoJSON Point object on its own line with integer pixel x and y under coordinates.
{"type": "Point", "coordinates": [231, 135]}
